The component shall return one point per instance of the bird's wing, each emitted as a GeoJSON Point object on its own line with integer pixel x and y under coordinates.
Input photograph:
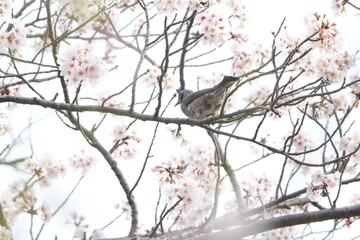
{"type": "Point", "coordinates": [189, 99]}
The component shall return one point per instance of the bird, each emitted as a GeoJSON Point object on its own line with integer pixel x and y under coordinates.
{"type": "Point", "coordinates": [205, 102]}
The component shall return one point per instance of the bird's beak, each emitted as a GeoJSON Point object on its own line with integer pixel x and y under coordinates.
{"type": "Point", "coordinates": [177, 103]}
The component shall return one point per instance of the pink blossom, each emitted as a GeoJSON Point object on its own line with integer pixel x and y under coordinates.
{"type": "Point", "coordinates": [45, 210]}
{"type": "Point", "coordinates": [5, 234]}
{"type": "Point", "coordinates": [75, 9]}
{"type": "Point", "coordinates": [321, 182]}
{"type": "Point", "coordinates": [4, 123]}
{"type": "Point", "coordinates": [348, 222]}
{"type": "Point", "coordinates": [302, 142]}
{"type": "Point", "coordinates": [248, 56]}
{"type": "Point", "coordinates": [127, 142]}
{"type": "Point", "coordinates": [323, 109]}
{"type": "Point", "coordinates": [257, 188]}
{"type": "Point", "coordinates": [349, 143]}
{"type": "Point", "coordinates": [82, 161]}
{"type": "Point", "coordinates": [313, 194]}
{"type": "Point", "coordinates": [286, 233]}
{"type": "Point", "coordinates": [15, 38]}
{"type": "Point", "coordinates": [78, 63]}
{"type": "Point", "coordinates": [110, 100]}
{"type": "Point", "coordinates": [152, 76]}
{"type": "Point", "coordinates": [168, 6]}
{"type": "Point", "coordinates": [341, 101]}
{"type": "Point", "coordinates": [191, 179]}
{"type": "Point", "coordinates": [214, 27]}
{"type": "Point", "coordinates": [97, 234]}
{"type": "Point", "coordinates": [338, 6]}
{"type": "Point", "coordinates": [327, 35]}
{"type": "Point", "coordinates": [47, 168]}
{"type": "Point", "coordinates": [5, 9]}
{"type": "Point", "coordinates": [239, 12]}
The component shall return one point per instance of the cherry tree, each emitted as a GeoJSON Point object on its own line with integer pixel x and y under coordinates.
{"type": "Point", "coordinates": [91, 84]}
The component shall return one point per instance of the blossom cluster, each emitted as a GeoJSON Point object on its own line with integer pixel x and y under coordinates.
{"type": "Point", "coordinates": [80, 11]}
{"type": "Point", "coordinates": [13, 39]}
{"type": "Point", "coordinates": [4, 124]}
{"type": "Point", "coordinates": [214, 27]}
{"type": "Point", "coordinates": [21, 197]}
{"type": "Point", "coordinates": [302, 142]}
{"type": "Point", "coordinates": [5, 234]}
{"type": "Point", "coordinates": [46, 169]}
{"type": "Point", "coordinates": [82, 161]}
{"type": "Point", "coordinates": [326, 31]}
{"type": "Point", "coordinates": [78, 63]}
{"type": "Point", "coordinates": [335, 67]}
{"type": "Point", "coordinates": [349, 143]}
{"type": "Point", "coordinates": [104, 97]}
{"type": "Point", "coordinates": [321, 185]}
{"type": "Point", "coordinates": [338, 6]}
{"type": "Point", "coordinates": [239, 11]}
{"type": "Point", "coordinates": [152, 76]}
{"type": "Point", "coordinates": [167, 6]}
{"type": "Point", "coordinates": [257, 188]}
{"type": "Point", "coordinates": [322, 109]}
{"type": "Point", "coordinates": [81, 227]}
{"type": "Point", "coordinates": [327, 58]}
{"type": "Point", "coordinates": [5, 9]}
{"type": "Point", "coordinates": [190, 179]}
{"type": "Point", "coordinates": [18, 199]}
{"type": "Point", "coordinates": [248, 56]}
{"type": "Point", "coordinates": [127, 142]}
{"type": "Point", "coordinates": [280, 234]}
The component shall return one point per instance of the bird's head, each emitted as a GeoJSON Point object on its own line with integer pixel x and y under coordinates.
{"type": "Point", "coordinates": [182, 94]}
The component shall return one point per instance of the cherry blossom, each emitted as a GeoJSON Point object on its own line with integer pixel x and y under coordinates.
{"type": "Point", "coordinates": [322, 182]}
{"type": "Point", "coordinates": [106, 98]}
{"type": "Point", "coordinates": [240, 14]}
{"type": "Point", "coordinates": [4, 123]}
{"type": "Point", "coordinates": [280, 234]}
{"type": "Point", "coordinates": [46, 212]}
{"type": "Point", "coordinates": [257, 189]}
{"type": "Point", "coordinates": [327, 34]}
{"type": "Point", "coordinates": [342, 101]}
{"type": "Point", "coordinates": [126, 142]}
{"type": "Point", "coordinates": [199, 4]}
{"type": "Point", "coordinates": [82, 161]}
{"type": "Point", "coordinates": [302, 142]}
{"type": "Point", "coordinates": [47, 168]}
{"type": "Point", "coordinates": [322, 110]}
{"type": "Point", "coordinates": [248, 56]}
{"type": "Point", "coordinates": [304, 91]}
{"type": "Point", "coordinates": [14, 39]}
{"type": "Point", "coordinates": [152, 76]}
{"type": "Point", "coordinates": [334, 68]}
{"type": "Point", "coordinates": [313, 193]}
{"type": "Point", "coordinates": [188, 179]}
{"type": "Point", "coordinates": [214, 27]}
{"type": "Point", "coordinates": [5, 234]}
{"type": "Point", "coordinates": [5, 9]}
{"type": "Point", "coordinates": [349, 143]}
{"type": "Point", "coordinates": [81, 10]}
{"type": "Point", "coordinates": [78, 63]}
{"type": "Point", "coordinates": [338, 7]}
{"type": "Point", "coordinates": [168, 6]}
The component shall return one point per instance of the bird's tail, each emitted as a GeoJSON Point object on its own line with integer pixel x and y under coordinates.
{"type": "Point", "coordinates": [227, 81]}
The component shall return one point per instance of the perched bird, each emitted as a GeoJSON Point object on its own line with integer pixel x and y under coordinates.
{"type": "Point", "coordinates": [206, 102]}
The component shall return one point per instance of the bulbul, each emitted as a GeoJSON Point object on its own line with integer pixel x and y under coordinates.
{"type": "Point", "coordinates": [206, 102]}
